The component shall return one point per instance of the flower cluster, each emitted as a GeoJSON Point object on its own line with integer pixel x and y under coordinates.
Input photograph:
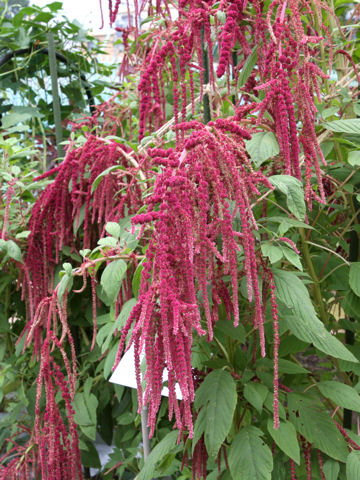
{"type": "Point", "coordinates": [194, 208]}
{"type": "Point", "coordinates": [69, 201]}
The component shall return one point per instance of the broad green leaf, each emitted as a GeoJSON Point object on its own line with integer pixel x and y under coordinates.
{"type": "Point", "coordinates": [157, 454]}
{"type": "Point", "coordinates": [290, 368]}
{"type": "Point", "coordinates": [328, 112]}
{"type": "Point", "coordinates": [227, 327]}
{"type": "Point", "coordinates": [303, 322]}
{"type": "Point", "coordinates": [112, 278]}
{"type": "Point", "coordinates": [107, 242]}
{"type": "Point", "coordinates": [285, 438]}
{"type": "Point", "coordinates": [311, 420]}
{"type": "Point", "coordinates": [255, 394]}
{"type": "Point", "coordinates": [113, 229]}
{"type": "Point", "coordinates": [199, 427]}
{"type": "Point", "coordinates": [85, 406]}
{"type": "Point", "coordinates": [292, 188]}
{"type": "Point", "coordinates": [273, 252]}
{"type": "Point", "coordinates": [66, 283]}
{"type": "Point", "coordinates": [13, 250]}
{"type": "Point", "coordinates": [331, 469]}
{"type": "Point", "coordinates": [263, 145]}
{"type": "Point", "coordinates": [340, 393]}
{"type": "Point", "coordinates": [292, 257]}
{"type": "Point", "coordinates": [125, 313]}
{"type": "Point", "coordinates": [353, 466]}
{"type": "Point", "coordinates": [354, 158]}
{"type": "Point", "coordinates": [247, 68]}
{"type": "Point", "coordinates": [350, 125]}
{"type": "Point", "coordinates": [217, 394]}
{"type": "Point", "coordinates": [354, 277]}
{"type": "Point", "coordinates": [249, 456]}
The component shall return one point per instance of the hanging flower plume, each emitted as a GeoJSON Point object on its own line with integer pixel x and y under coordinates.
{"type": "Point", "coordinates": [182, 55]}
{"type": "Point", "coordinates": [52, 450]}
{"type": "Point", "coordinates": [202, 190]}
{"type": "Point", "coordinates": [69, 202]}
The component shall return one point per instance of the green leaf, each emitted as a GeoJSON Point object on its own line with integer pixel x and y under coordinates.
{"type": "Point", "coordinates": [351, 125]}
{"type": "Point", "coordinates": [217, 394]}
{"type": "Point", "coordinates": [66, 283]}
{"type": "Point", "coordinates": [136, 280]}
{"type": "Point", "coordinates": [273, 252]}
{"type": "Point", "coordinates": [255, 394]}
{"type": "Point", "coordinates": [227, 328]}
{"type": "Point", "coordinates": [107, 242]}
{"type": "Point", "coordinates": [247, 68]}
{"type": "Point", "coordinates": [292, 188]}
{"type": "Point", "coordinates": [113, 229]}
{"type": "Point", "coordinates": [112, 278]}
{"type": "Point", "coordinates": [199, 427]}
{"type": "Point", "coordinates": [261, 146]}
{"type": "Point", "coordinates": [354, 158]}
{"type": "Point", "coordinates": [103, 174]}
{"type": "Point", "coordinates": [331, 469]}
{"type": "Point", "coordinates": [353, 466]}
{"type": "Point", "coordinates": [285, 438]}
{"type": "Point", "coordinates": [250, 456]}
{"type": "Point", "coordinates": [85, 413]}
{"type": "Point", "coordinates": [290, 368]}
{"type": "Point", "coordinates": [340, 393]}
{"type": "Point", "coordinates": [311, 420]}
{"type": "Point", "coordinates": [13, 250]}
{"type": "Point", "coordinates": [354, 277]}
{"type": "Point", "coordinates": [303, 321]}
{"type": "Point", "coordinates": [292, 257]}
{"type": "Point", "coordinates": [157, 454]}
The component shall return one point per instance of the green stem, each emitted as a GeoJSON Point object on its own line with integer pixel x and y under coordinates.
{"type": "Point", "coordinates": [206, 100]}
{"type": "Point", "coordinates": [55, 94]}
{"type": "Point", "coordinates": [314, 277]}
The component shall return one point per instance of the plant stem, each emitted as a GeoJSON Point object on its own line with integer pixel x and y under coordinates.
{"type": "Point", "coordinates": [313, 275]}
{"type": "Point", "coordinates": [206, 100]}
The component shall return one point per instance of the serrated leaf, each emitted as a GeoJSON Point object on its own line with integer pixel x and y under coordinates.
{"type": "Point", "coordinates": [292, 188]}
{"type": "Point", "coordinates": [340, 393]}
{"type": "Point", "coordinates": [303, 322]}
{"type": "Point", "coordinates": [353, 466]}
{"type": "Point", "coordinates": [261, 146]}
{"type": "Point", "coordinates": [217, 394]}
{"type": "Point", "coordinates": [112, 278]}
{"type": "Point", "coordinates": [285, 438]}
{"type": "Point", "coordinates": [354, 277]}
{"type": "Point", "coordinates": [349, 125]}
{"type": "Point", "coordinates": [255, 394]}
{"type": "Point", "coordinates": [157, 454]}
{"type": "Point", "coordinates": [250, 456]}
